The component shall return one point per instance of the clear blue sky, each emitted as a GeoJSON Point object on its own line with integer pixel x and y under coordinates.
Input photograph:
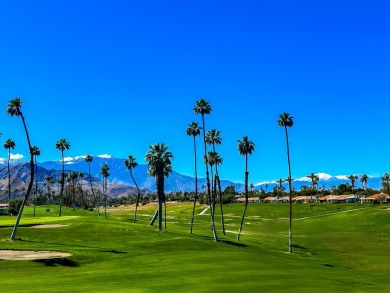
{"type": "Point", "coordinates": [113, 77]}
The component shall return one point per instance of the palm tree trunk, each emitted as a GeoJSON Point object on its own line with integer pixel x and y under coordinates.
{"type": "Point", "coordinates": [160, 192]}
{"type": "Point", "coordinates": [62, 184]}
{"type": "Point", "coordinates": [9, 182]}
{"type": "Point", "coordinates": [30, 184]}
{"type": "Point", "coordinates": [208, 181]}
{"type": "Point", "coordinates": [290, 201]}
{"type": "Point", "coordinates": [138, 196]}
{"type": "Point", "coordinates": [196, 188]}
{"type": "Point", "coordinates": [246, 196]}
{"type": "Point", "coordinates": [73, 195]}
{"type": "Point", "coordinates": [220, 204]}
{"type": "Point", "coordinates": [36, 185]}
{"type": "Point", "coordinates": [105, 196]}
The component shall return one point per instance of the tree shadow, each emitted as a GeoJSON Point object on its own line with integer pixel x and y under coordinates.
{"type": "Point", "coordinates": [233, 243]}
{"type": "Point", "coordinates": [52, 262]}
{"type": "Point", "coordinates": [113, 251]}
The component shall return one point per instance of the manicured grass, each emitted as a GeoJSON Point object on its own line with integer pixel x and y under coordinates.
{"type": "Point", "coordinates": [337, 248]}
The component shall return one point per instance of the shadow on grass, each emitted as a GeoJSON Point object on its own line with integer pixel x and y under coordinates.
{"type": "Point", "coordinates": [113, 251]}
{"type": "Point", "coordinates": [233, 243]}
{"type": "Point", "coordinates": [52, 262]}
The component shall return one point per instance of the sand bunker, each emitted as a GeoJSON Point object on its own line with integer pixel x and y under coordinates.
{"type": "Point", "coordinates": [30, 254]}
{"type": "Point", "coordinates": [49, 226]}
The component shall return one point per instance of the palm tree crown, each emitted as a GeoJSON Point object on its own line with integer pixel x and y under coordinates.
{"type": "Point", "coordinates": [159, 156]}
{"type": "Point", "coordinates": [285, 120]}
{"type": "Point", "coordinates": [9, 144]}
{"type": "Point", "coordinates": [14, 106]}
{"type": "Point", "coordinates": [130, 163]}
{"type": "Point", "coordinates": [193, 129]}
{"type": "Point", "coordinates": [213, 137]}
{"type": "Point", "coordinates": [35, 151]}
{"type": "Point", "coordinates": [88, 158]}
{"type": "Point", "coordinates": [202, 107]}
{"type": "Point", "coordinates": [245, 147]}
{"type": "Point", "coordinates": [62, 145]}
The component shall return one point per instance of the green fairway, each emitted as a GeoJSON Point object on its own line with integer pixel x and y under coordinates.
{"type": "Point", "coordinates": [337, 248]}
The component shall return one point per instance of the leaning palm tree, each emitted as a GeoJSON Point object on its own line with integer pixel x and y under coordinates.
{"type": "Point", "coordinates": [130, 164]}
{"type": "Point", "coordinates": [160, 166]}
{"type": "Point", "coordinates": [8, 145]}
{"type": "Point", "coordinates": [245, 148]}
{"type": "Point", "coordinates": [213, 137]}
{"type": "Point", "coordinates": [203, 107]}
{"type": "Point", "coordinates": [36, 152]}
{"type": "Point", "coordinates": [194, 130]}
{"type": "Point", "coordinates": [14, 109]}
{"type": "Point", "coordinates": [62, 145]}
{"type": "Point", "coordinates": [285, 120]}
{"type": "Point", "coordinates": [89, 159]}
{"type": "Point", "coordinates": [353, 179]}
{"type": "Point", "coordinates": [105, 174]}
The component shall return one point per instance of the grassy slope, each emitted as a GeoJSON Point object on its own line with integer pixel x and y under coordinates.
{"type": "Point", "coordinates": [335, 251]}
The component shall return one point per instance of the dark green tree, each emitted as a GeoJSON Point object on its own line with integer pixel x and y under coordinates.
{"type": "Point", "coordinates": [160, 166]}
{"type": "Point", "coordinates": [14, 109]}
{"type": "Point", "coordinates": [245, 148]}
{"type": "Point", "coordinates": [194, 131]}
{"type": "Point", "coordinates": [62, 145]}
{"type": "Point", "coordinates": [203, 107]}
{"type": "Point", "coordinates": [130, 164]}
{"type": "Point", "coordinates": [8, 145]}
{"type": "Point", "coordinates": [287, 121]}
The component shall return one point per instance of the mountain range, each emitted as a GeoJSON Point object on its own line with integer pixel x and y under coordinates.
{"type": "Point", "coordinates": [120, 182]}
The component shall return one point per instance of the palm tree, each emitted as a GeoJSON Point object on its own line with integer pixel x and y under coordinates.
{"type": "Point", "coordinates": [314, 180]}
{"type": "Point", "coordinates": [89, 159]}
{"type": "Point", "coordinates": [81, 176]}
{"type": "Point", "coordinates": [36, 152]}
{"type": "Point", "coordinates": [105, 174]}
{"type": "Point", "coordinates": [245, 148]}
{"type": "Point", "coordinates": [203, 107]}
{"type": "Point", "coordinates": [130, 164]}
{"type": "Point", "coordinates": [353, 178]}
{"type": "Point", "coordinates": [8, 145]}
{"type": "Point", "coordinates": [49, 182]}
{"type": "Point", "coordinates": [213, 137]}
{"type": "Point", "coordinates": [285, 120]}
{"type": "Point", "coordinates": [62, 145]}
{"type": "Point", "coordinates": [160, 166]}
{"type": "Point", "coordinates": [194, 130]}
{"type": "Point", "coordinates": [364, 180]}
{"type": "Point", "coordinates": [14, 109]}
{"type": "Point", "coordinates": [73, 176]}
{"type": "Point", "coordinates": [385, 182]}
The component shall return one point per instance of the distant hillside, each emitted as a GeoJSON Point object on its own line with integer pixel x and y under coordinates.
{"type": "Point", "coordinates": [20, 177]}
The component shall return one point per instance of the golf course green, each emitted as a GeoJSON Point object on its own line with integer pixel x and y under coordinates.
{"type": "Point", "coordinates": [337, 248]}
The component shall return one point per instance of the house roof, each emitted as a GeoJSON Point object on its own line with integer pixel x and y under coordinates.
{"type": "Point", "coordinates": [378, 196]}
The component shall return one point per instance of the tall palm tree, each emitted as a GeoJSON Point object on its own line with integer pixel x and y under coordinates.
{"type": "Point", "coordinates": [353, 178]}
{"type": "Point", "coordinates": [105, 174]}
{"type": "Point", "coordinates": [89, 159]}
{"type": "Point", "coordinates": [160, 166]}
{"type": "Point", "coordinates": [213, 137]}
{"type": "Point", "coordinates": [14, 109]}
{"type": "Point", "coordinates": [285, 120]}
{"type": "Point", "coordinates": [245, 148]}
{"type": "Point", "coordinates": [130, 164]}
{"type": "Point", "coordinates": [194, 131]}
{"type": "Point", "coordinates": [203, 107]}
{"type": "Point", "coordinates": [211, 158]}
{"type": "Point", "coordinates": [73, 176]}
{"type": "Point", "coordinates": [62, 145]}
{"type": "Point", "coordinates": [364, 180]}
{"type": "Point", "coordinates": [36, 152]}
{"type": "Point", "coordinates": [8, 145]}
